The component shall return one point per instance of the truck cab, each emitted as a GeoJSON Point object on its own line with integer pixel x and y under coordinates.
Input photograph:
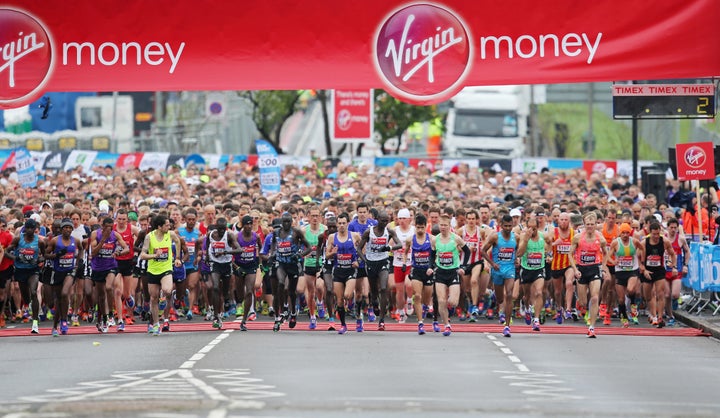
{"type": "Point", "coordinates": [488, 122]}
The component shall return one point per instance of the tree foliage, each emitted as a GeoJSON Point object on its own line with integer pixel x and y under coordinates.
{"type": "Point", "coordinates": [270, 110]}
{"type": "Point", "coordinates": [393, 117]}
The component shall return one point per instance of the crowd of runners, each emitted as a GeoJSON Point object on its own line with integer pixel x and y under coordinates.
{"type": "Point", "coordinates": [339, 245]}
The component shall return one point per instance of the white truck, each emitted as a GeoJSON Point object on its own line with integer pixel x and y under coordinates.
{"type": "Point", "coordinates": [490, 121]}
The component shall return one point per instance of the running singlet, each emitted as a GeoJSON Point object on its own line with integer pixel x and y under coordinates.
{"type": "Point", "coordinates": [287, 249]}
{"type": "Point", "coordinates": [448, 256]}
{"type": "Point", "coordinates": [679, 253]}
{"type": "Point", "coordinates": [105, 259]}
{"type": "Point", "coordinates": [190, 238]}
{"type": "Point", "coordinates": [27, 253]}
{"type": "Point", "coordinates": [588, 253]}
{"type": "Point", "coordinates": [474, 242]}
{"type": "Point", "coordinates": [655, 255]}
{"type": "Point", "coordinates": [534, 257]}
{"type": "Point", "coordinates": [372, 251]}
{"type": "Point", "coordinates": [346, 252]}
{"type": "Point", "coordinates": [421, 252]}
{"type": "Point", "coordinates": [218, 246]}
{"type": "Point", "coordinates": [504, 252]}
{"type": "Point", "coordinates": [403, 237]}
{"type": "Point", "coordinates": [313, 238]}
{"type": "Point", "coordinates": [626, 256]}
{"type": "Point", "coordinates": [127, 236]}
{"type": "Point", "coordinates": [65, 262]}
{"type": "Point", "coordinates": [164, 261]}
{"type": "Point", "coordinates": [248, 250]}
{"type": "Point", "coordinates": [610, 236]}
{"type": "Point", "coordinates": [561, 251]}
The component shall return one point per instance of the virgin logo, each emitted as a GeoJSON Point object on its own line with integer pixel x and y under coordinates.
{"type": "Point", "coordinates": [422, 53]}
{"type": "Point", "coordinates": [344, 120]}
{"type": "Point", "coordinates": [695, 157]}
{"type": "Point", "coordinates": [26, 57]}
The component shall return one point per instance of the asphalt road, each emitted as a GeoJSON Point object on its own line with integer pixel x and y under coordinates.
{"type": "Point", "coordinates": [391, 374]}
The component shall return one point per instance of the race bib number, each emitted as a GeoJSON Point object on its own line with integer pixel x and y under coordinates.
{"type": "Point", "coordinates": [563, 249]}
{"type": "Point", "coordinates": [534, 259]}
{"type": "Point", "coordinates": [422, 258]}
{"type": "Point", "coordinates": [26, 255]}
{"type": "Point", "coordinates": [67, 261]}
{"type": "Point", "coordinates": [588, 257]}
{"type": "Point", "coordinates": [344, 260]}
{"type": "Point", "coordinates": [162, 254]}
{"type": "Point", "coordinates": [506, 254]}
{"type": "Point", "coordinates": [653, 261]}
{"type": "Point", "coordinates": [107, 250]}
{"type": "Point", "coordinates": [625, 263]}
{"type": "Point", "coordinates": [445, 259]}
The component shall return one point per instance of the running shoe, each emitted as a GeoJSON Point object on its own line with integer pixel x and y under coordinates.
{"type": "Point", "coordinates": [536, 325]}
{"type": "Point", "coordinates": [150, 328]}
{"type": "Point", "coordinates": [421, 329]}
{"type": "Point", "coordinates": [490, 314]}
{"type": "Point", "coordinates": [568, 315]}
{"type": "Point", "coordinates": [35, 329]}
{"type": "Point", "coordinates": [105, 328]}
{"type": "Point", "coordinates": [313, 323]}
{"type": "Point", "coordinates": [166, 326]}
{"type": "Point", "coordinates": [660, 323]}
{"type": "Point", "coordinates": [559, 317]}
{"type": "Point", "coordinates": [189, 315]}
{"type": "Point", "coordinates": [671, 322]}
{"type": "Point", "coordinates": [162, 304]}
{"type": "Point", "coordinates": [129, 320]}
{"type": "Point", "coordinates": [501, 318]}
{"type": "Point", "coordinates": [321, 310]}
{"type": "Point", "coordinates": [252, 316]}
{"type": "Point", "coordinates": [506, 332]}
{"type": "Point", "coordinates": [635, 320]}
{"type": "Point", "coordinates": [371, 315]}
{"type": "Point", "coordinates": [633, 310]}
{"type": "Point", "coordinates": [591, 332]}
{"type": "Point", "coordinates": [528, 317]}
{"type": "Point", "coordinates": [331, 324]}
{"type": "Point", "coordinates": [293, 321]}
{"type": "Point", "coordinates": [475, 311]}
{"type": "Point", "coordinates": [342, 330]}
{"type": "Point", "coordinates": [74, 320]}
{"type": "Point", "coordinates": [2, 320]}
{"type": "Point", "coordinates": [173, 316]}
{"type": "Point", "coordinates": [156, 330]}
{"type": "Point", "coordinates": [243, 327]}
{"type": "Point", "coordinates": [447, 331]}
{"type": "Point", "coordinates": [575, 315]}
{"type": "Point", "coordinates": [63, 327]}
{"type": "Point", "coordinates": [195, 310]}
{"type": "Point", "coordinates": [217, 323]}
{"type": "Point", "coordinates": [607, 320]}
{"type": "Point", "coordinates": [654, 321]}
{"type": "Point", "coordinates": [121, 327]}
{"type": "Point", "coordinates": [55, 332]}
{"type": "Point", "coordinates": [359, 325]}
{"type": "Point", "coordinates": [381, 325]}
{"type": "Point", "coordinates": [130, 302]}
{"type": "Point", "coordinates": [276, 325]}
{"type": "Point", "coordinates": [436, 326]}
{"type": "Point", "coordinates": [402, 318]}
{"type": "Point", "coordinates": [233, 309]}
{"type": "Point", "coordinates": [111, 321]}
{"type": "Point", "coordinates": [625, 323]}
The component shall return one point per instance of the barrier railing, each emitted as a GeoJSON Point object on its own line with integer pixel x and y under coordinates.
{"type": "Point", "coordinates": [703, 277]}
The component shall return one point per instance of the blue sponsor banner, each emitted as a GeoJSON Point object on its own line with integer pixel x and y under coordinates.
{"type": "Point", "coordinates": [269, 167]}
{"type": "Point", "coordinates": [390, 161]}
{"type": "Point", "coordinates": [565, 164]}
{"type": "Point", "coordinates": [703, 268]}
{"type": "Point", "coordinates": [27, 176]}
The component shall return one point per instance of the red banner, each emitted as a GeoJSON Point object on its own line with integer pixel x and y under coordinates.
{"type": "Point", "coordinates": [421, 52]}
{"type": "Point", "coordinates": [597, 166]}
{"type": "Point", "coordinates": [695, 161]}
{"type": "Point", "coordinates": [352, 115]}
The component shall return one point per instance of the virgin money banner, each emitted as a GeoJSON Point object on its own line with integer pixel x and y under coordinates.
{"type": "Point", "coordinates": [27, 176]}
{"type": "Point", "coordinates": [695, 161]}
{"type": "Point", "coordinates": [352, 115]}
{"type": "Point", "coordinates": [420, 52]}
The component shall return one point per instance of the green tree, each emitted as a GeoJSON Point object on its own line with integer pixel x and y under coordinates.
{"type": "Point", "coordinates": [393, 117]}
{"type": "Point", "coordinates": [270, 110]}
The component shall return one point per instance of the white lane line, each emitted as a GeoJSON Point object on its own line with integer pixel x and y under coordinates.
{"type": "Point", "coordinates": [203, 351]}
{"type": "Point", "coordinates": [210, 391]}
{"type": "Point", "coordinates": [218, 413]}
{"type": "Point", "coordinates": [522, 367]}
{"type": "Point", "coordinates": [506, 350]}
{"type": "Point", "coordinates": [514, 359]}
{"type": "Point", "coordinates": [498, 343]}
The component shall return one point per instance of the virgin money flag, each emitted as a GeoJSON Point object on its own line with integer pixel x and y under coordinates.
{"type": "Point", "coordinates": [352, 115]}
{"type": "Point", "coordinates": [155, 160]}
{"type": "Point", "coordinates": [9, 162]}
{"type": "Point", "coordinates": [27, 176]}
{"type": "Point", "coordinates": [421, 52]}
{"type": "Point", "coordinates": [596, 166]}
{"type": "Point", "coordinates": [695, 161]}
{"type": "Point", "coordinates": [269, 167]}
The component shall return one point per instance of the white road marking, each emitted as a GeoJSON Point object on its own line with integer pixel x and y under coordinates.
{"type": "Point", "coordinates": [514, 359]}
{"type": "Point", "coordinates": [506, 350]}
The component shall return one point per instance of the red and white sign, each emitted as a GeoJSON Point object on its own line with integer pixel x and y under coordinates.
{"type": "Point", "coordinates": [353, 115]}
{"type": "Point", "coordinates": [695, 161]}
{"type": "Point", "coordinates": [421, 52]}
{"type": "Point", "coordinates": [598, 166]}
